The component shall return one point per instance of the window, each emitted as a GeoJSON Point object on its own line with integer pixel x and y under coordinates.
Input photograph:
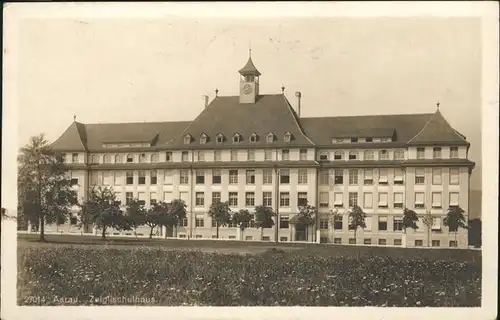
{"type": "Point", "coordinates": [234, 155]}
{"type": "Point", "coordinates": [419, 243]}
{"type": "Point", "coordinates": [250, 199]}
{"type": "Point", "coordinates": [236, 138]}
{"type": "Point", "coordinates": [323, 199]}
{"type": "Point", "coordinates": [268, 154]}
{"type": "Point", "coordinates": [284, 222]}
{"type": "Point", "coordinates": [187, 139]}
{"type": "Point", "coordinates": [354, 139]}
{"type": "Point", "coordinates": [382, 223]}
{"type": "Point", "coordinates": [200, 177]}
{"type": "Point", "coordinates": [397, 242]}
{"type": "Point", "coordinates": [338, 200]}
{"type": "Point", "coordinates": [367, 241]}
{"type": "Point", "coordinates": [73, 221]}
{"type": "Point", "coordinates": [251, 155]}
{"type": "Point", "coordinates": [216, 177]}
{"type": "Point", "coordinates": [436, 152]}
{"type": "Point", "coordinates": [453, 243]}
{"type": "Point", "coordinates": [154, 157]}
{"type": "Point", "coordinates": [323, 224]}
{"type": "Point", "coordinates": [183, 223]}
{"type": "Point", "coordinates": [154, 177]}
{"type": "Point", "coordinates": [436, 200]}
{"type": "Point", "coordinates": [302, 176]}
{"type": "Point", "coordinates": [368, 200]}
{"type": "Point", "coordinates": [383, 155]}
{"type": "Point", "coordinates": [285, 154]}
{"type": "Point", "coordinates": [382, 200]}
{"type": "Point", "coordinates": [153, 199]}
{"type": "Point", "coordinates": [168, 156]}
{"type": "Point", "coordinates": [339, 176]}
{"type": "Point", "coordinates": [368, 179]}
{"type": "Point", "coordinates": [287, 137]}
{"type": "Point", "coordinates": [203, 138]}
{"type": "Point", "coordinates": [106, 158]}
{"type": "Point", "coordinates": [454, 152]}
{"type": "Point", "coordinates": [302, 199]}
{"type": "Point", "coordinates": [217, 155]}
{"type": "Point", "coordinates": [419, 176]}
{"type": "Point", "coordinates": [436, 224]}
{"type": "Point", "coordinates": [169, 177]}
{"type": "Point", "coordinates": [129, 196]}
{"type": "Point", "coordinates": [270, 137]}
{"type": "Point", "coordinates": [215, 196]}
{"type": "Point", "coordinates": [435, 243]}
{"type": "Point", "coordinates": [338, 155]}
{"type": "Point", "coordinates": [454, 176]}
{"type": "Point", "coordinates": [250, 177]}
{"type": "Point", "coordinates": [324, 177]}
{"type": "Point", "coordinates": [453, 199]}
{"type": "Point", "coordinates": [118, 178]}
{"type": "Point", "coordinates": [382, 176]}
{"type": "Point", "coordinates": [368, 223]}
{"type": "Point", "coordinates": [142, 177]}
{"type": "Point", "coordinates": [184, 177]}
{"type": "Point", "coordinates": [233, 199]}
{"type": "Point", "coordinates": [249, 238]}
{"type": "Point", "coordinates": [233, 176]}
{"type": "Point", "coordinates": [284, 199]}
{"type": "Point", "coordinates": [398, 224]}
{"type": "Point", "coordinates": [201, 155]}
{"type": "Point", "coordinates": [74, 157]}
{"type": "Point", "coordinates": [382, 242]}
{"type": "Point", "coordinates": [185, 156]}
{"type": "Point", "coordinates": [74, 181]}
{"type": "Point", "coordinates": [94, 159]}
{"type": "Point", "coordinates": [368, 155]}
{"type": "Point", "coordinates": [353, 199]}
{"type": "Point", "coordinates": [200, 199]}
{"type": "Point", "coordinates": [267, 199]}
{"type": "Point", "coordinates": [284, 176]}
{"type": "Point", "coordinates": [398, 200]}
{"type": "Point", "coordinates": [106, 178]}
{"type": "Point", "coordinates": [199, 223]}
{"type": "Point", "coordinates": [352, 240]}
{"type": "Point", "coordinates": [93, 177]}
{"type": "Point", "coordinates": [303, 154]}
{"type": "Point", "coordinates": [130, 158]}
{"type": "Point", "coordinates": [130, 178]}
{"type": "Point", "coordinates": [118, 158]}
{"type": "Point", "coordinates": [436, 176]}
{"type": "Point", "coordinates": [266, 238]}
{"type": "Point", "coordinates": [323, 155]}
{"type": "Point", "coordinates": [353, 177]}
{"type": "Point", "coordinates": [399, 155]}
{"type": "Point", "coordinates": [253, 138]}
{"type": "Point", "coordinates": [142, 158]}
{"type": "Point", "coordinates": [420, 153]}
{"type": "Point", "coordinates": [337, 240]}
{"type": "Point", "coordinates": [398, 176]}
{"type": "Point", "coordinates": [167, 196]}
{"type": "Point", "coordinates": [353, 155]}
{"type": "Point", "coordinates": [267, 176]}
{"type": "Point", "coordinates": [419, 200]}
{"type": "Point", "coordinates": [220, 138]}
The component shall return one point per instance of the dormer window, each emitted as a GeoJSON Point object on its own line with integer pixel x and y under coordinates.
{"type": "Point", "coordinates": [369, 139]}
{"type": "Point", "coordinates": [253, 138]}
{"type": "Point", "coordinates": [354, 140]}
{"type": "Point", "coordinates": [203, 138]}
{"type": "Point", "coordinates": [187, 139]}
{"type": "Point", "coordinates": [220, 138]}
{"type": "Point", "coordinates": [236, 138]}
{"type": "Point", "coordinates": [270, 137]}
{"type": "Point", "coordinates": [288, 137]}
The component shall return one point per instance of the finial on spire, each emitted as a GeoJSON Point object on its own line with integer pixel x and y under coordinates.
{"type": "Point", "coordinates": [282, 89]}
{"type": "Point", "coordinates": [249, 48]}
{"type": "Point", "coordinates": [74, 117]}
{"type": "Point", "coordinates": [438, 104]}
{"type": "Point", "coordinates": [216, 92]}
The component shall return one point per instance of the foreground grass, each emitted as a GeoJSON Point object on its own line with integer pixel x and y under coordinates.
{"type": "Point", "coordinates": [154, 275]}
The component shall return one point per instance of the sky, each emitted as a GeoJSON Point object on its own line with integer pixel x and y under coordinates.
{"type": "Point", "coordinates": [134, 70]}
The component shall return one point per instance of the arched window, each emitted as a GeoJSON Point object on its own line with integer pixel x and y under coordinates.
{"type": "Point", "coordinates": [107, 158]}
{"type": "Point", "coordinates": [203, 138]}
{"type": "Point", "coordinates": [142, 158]}
{"type": "Point", "coordinates": [220, 138]}
{"type": "Point", "coordinates": [270, 137]}
{"type": "Point", "coordinates": [236, 138]}
{"type": "Point", "coordinates": [130, 158]}
{"type": "Point", "coordinates": [94, 158]}
{"type": "Point", "coordinates": [154, 157]}
{"type": "Point", "coordinates": [187, 139]}
{"type": "Point", "coordinates": [253, 138]}
{"type": "Point", "coordinates": [118, 158]}
{"type": "Point", "coordinates": [288, 137]}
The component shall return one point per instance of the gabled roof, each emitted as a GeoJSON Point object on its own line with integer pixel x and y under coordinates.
{"type": "Point", "coordinates": [249, 68]}
{"type": "Point", "coordinates": [366, 133]}
{"type": "Point", "coordinates": [72, 139]}
{"type": "Point", "coordinates": [437, 129]}
{"type": "Point", "coordinates": [270, 113]}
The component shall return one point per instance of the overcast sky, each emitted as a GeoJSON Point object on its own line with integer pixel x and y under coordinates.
{"type": "Point", "coordinates": [129, 70]}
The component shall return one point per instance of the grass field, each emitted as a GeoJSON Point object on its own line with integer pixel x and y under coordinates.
{"type": "Point", "coordinates": [85, 270]}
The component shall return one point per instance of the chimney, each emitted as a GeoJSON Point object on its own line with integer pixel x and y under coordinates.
{"type": "Point", "coordinates": [206, 100]}
{"type": "Point", "coordinates": [298, 95]}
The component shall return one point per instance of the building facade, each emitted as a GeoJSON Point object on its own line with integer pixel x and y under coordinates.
{"type": "Point", "coordinates": [254, 149]}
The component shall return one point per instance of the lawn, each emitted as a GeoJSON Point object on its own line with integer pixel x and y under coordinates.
{"type": "Point", "coordinates": [85, 270]}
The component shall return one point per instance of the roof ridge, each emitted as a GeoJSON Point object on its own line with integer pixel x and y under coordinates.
{"type": "Point", "coordinates": [371, 115]}
{"type": "Point", "coordinates": [136, 122]}
{"type": "Point", "coordinates": [425, 126]}
{"type": "Point", "coordinates": [297, 123]}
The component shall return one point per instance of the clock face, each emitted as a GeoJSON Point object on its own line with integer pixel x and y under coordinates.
{"type": "Point", "coordinates": [247, 89]}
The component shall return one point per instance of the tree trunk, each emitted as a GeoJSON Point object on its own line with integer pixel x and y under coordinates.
{"type": "Point", "coordinates": [151, 232]}
{"type": "Point", "coordinates": [428, 236]}
{"type": "Point", "coordinates": [355, 238]}
{"type": "Point", "coordinates": [261, 234]}
{"type": "Point", "coordinates": [217, 232]}
{"type": "Point", "coordinates": [42, 227]}
{"type": "Point", "coordinates": [103, 235]}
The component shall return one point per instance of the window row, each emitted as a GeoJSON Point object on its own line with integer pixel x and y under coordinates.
{"type": "Point", "coordinates": [367, 155]}
{"type": "Point", "coordinates": [396, 242]}
{"type": "Point", "coordinates": [237, 138]}
{"type": "Point", "coordinates": [382, 224]}
{"type": "Point", "coordinates": [437, 153]}
{"type": "Point", "coordinates": [361, 140]}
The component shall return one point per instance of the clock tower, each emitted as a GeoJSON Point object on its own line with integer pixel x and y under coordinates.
{"type": "Point", "coordinates": [249, 82]}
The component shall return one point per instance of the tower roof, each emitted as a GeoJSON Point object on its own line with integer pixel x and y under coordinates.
{"type": "Point", "coordinates": [249, 68]}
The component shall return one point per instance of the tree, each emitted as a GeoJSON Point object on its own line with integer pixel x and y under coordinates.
{"type": "Point", "coordinates": [135, 213]}
{"type": "Point", "coordinates": [332, 216]}
{"type": "Point", "coordinates": [242, 219]}
{"type": "Point", "coordinates": [410, 219]}
{"type": "Point", "coordinates": [357, 219]}
{"type": "Point", "coordinates": [306, 216]}
{"type": "Point", "coordinates": [428, 221]}
{"type": "Point", "coordinates": [102, 210]}
{"type": "Point", "coordinates": [45, 194]}
{"type": "Point", "coordinates": [264, 218]}
{"type": "Point", "coordinates": [176, 212]}
{"type": "Point", "coordinates": [221, 213]}
{"type": "Point", "coordinates": [455, 219]}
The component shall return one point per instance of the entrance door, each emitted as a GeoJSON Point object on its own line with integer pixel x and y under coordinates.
{"type": "Point", "coordinates": [300, 233]}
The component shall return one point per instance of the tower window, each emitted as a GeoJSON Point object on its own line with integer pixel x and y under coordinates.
{"type": "Point", "coordinates": [236, 138]}
{"type": "Point", "coordinates": [220, 138]}
{"type": "Point", "coordinates": [288, 137]}
{"type": "Point", "coordinates": [249, 78]}
{"type": "Point", "coordinates": [187, 139]}
{"type": "Point", "coordinates": [270, 137]}
{"type": "Point", "coordinates": [253, 138]}
{"type": "Point", "coordinates": [203, 139]}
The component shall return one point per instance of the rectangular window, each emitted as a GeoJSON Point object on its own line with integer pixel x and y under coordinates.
{"type": "Point", "coordinates": [436, 200]}
{"type": "Point", "coordinates": [215, 196]}
{"type": "Point", "coordinates": [74, 181]}
{"type": "Point", "coordinates": [323, 224]}
{"type": "Point", "coordinates": [74, 157]}
{"type": "Point", "coordinates": [268, 154]}
{"type": "Point", "coordinates": [337, 222]}
{"type": "Point", "coordinates": [284, 222]}
{"type": "Point", "coordinates": [436, 224]}
{"type": "Point", "coordinates": [169, 177]}
{"type": "Point", "coordinates": [368, 200]}
{"type": "Point", "coordinates": [324, 177]}
{"type": "Point", "coordinates": [142, 158]}
{"type": "Point", "coordinates": [142, 177]}
{"type": "Point", "coordinates": [233, 176]}
{"type": "Point", "coordinates": [354, 140]}
{"type": "Point", "coordinates": [367, 241]}
{"type": "Point", "coordinates": [129, 196]}
{"type": "Point", "coordinates": [454, 152]}
{"type": "Point", "coordinates": [353, 155]}
{"type": "Point", "coordinates": [435, 243]}
{"type": "Point", "coordinates": [183, 223]}
{"type": "Point", "coordinates": [398, 176]}
{"type": "Point", "coordinates": [199, 223]}
{"type": "Point", "coordinates": [382, 179]}
{"type": "Point", "coordinates": [338, 199]}
{"type": "Point", "coordinates": [323, 156]}
{"type": "Point", "coordinates": [303, 154]}
{"type": "Point", "coordinates": [436, 176]}
{"type": "Point", "coordinates": [201, 155]}
{"type": "Point", "coordinates": [398, 200]}
{"type": "Point", "coordinates": [234, 155]}
{"type": "Point", "coordinates": [153, 176]}
{"type": "Point", "coordinates": [302, 199]}
{"type": "Point", "coordinates": [250, 199]}
{"type": "Point", "coordinates": [167, 196]}
{"type": "Point", "coordinates": [454, 176]}
{"type": "Point", "coordinates": [353, 199]}
{"type": "Point", "coordinates": [267, 199]}
{"type": "Point", "coordinates": [284, 176]}
{"type": "Point", "coordinates": [419, 176]}
{"type": "Point", "coordinates": [453, 199]}
{"type": "Point", "coordinates": [106, 178]}
{"type": "Point", "coordinates": [420, 153]}
{"type": "Point", "coordinates": [339, 176]}
{"type": "Point", "coordinates": [453, 243]}
{"type": "Point", "coordinates": [368, 223]}
{"type": "Point", "coordinates": [382, 200]}
{"type": "Point", "coordinates": [284, 199]}
{"type": "Point", "coordinates": [436, 152]}
{"type": "Point", "coordinates": [200, 199]}
{"type": "Point", "coordinates": [216, 177]}
{"type": "Point", "coordinates": [267, 176]}
{"type": "Point", "coordinates": [266, 238]}
{"type": "Point", "coordinates": [250, 177]}
{"type": "Point", "coordinates": [382, 223]}
{"type": "Point", "coordinates": [382, 242]}
{"type": "Point", "coordinates": [352, 240]}
{"type": "Point", "coordinates": [338, 155]}
{"type": "Point", "coordinates": [383, 155]}
{"type": "Point", "coordinates": [302, 176]}
{"type": "Point", "coordinates": [142, 198]}
{"type": "Point", "coordinates": [337, 240]}
{"type": "Point", "coordinates": [153, 198]}
{"type": "Point", "coordinates": [200, 177]}
{"type": "Point", "coordinates": [323, 199]}
{"type": "Point", "coordinates": [399, 155]}
{"type": "Point", "coordinates": [368, 155]}
{"type": "Point", "coordinates": [168, 156]}
{"type": "Point", "coordinates": [285, 154]}
{"type": "Point", "coordinates": [353, 176]}
{"type": "Point", "coordinates": [398, 224]}
{"type": "Point", "coordinates": [217, 155]}
{"type": "Point", "coordinates": [130, 178]}
{"type": "Point", "coordinates": [368, 180]}
{"type": "Point", "coordinates": [184, 177]}
{"type": "Point", "coordinates": [419, 200]}
{"type": "Point", "coordinates": [397, 242]}
{"type": "Point", "coordinates": [251, 155]}
{"type": "Point", "coordinates": [185, 156]}
{"type": "Point", "coordinates": [419, 243]}
{"type": "Point", "coordinates": [93, 177]}
{"type": "Point", "coordinates": [233, 199]}
{"type": "Point", "coordinates": [130, 158]}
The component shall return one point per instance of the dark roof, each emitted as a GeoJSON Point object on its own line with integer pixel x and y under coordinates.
{"type": "Point", "coordinates": [436, 129]}
{"type": "Point", "coordinates": [249, 68]}
{"type": "Point", "coordinates": [72, 139]}
{"type": "Point", "coordinates": [367, 133]}
{"type": "Point", "coordinates": [226, 115]}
